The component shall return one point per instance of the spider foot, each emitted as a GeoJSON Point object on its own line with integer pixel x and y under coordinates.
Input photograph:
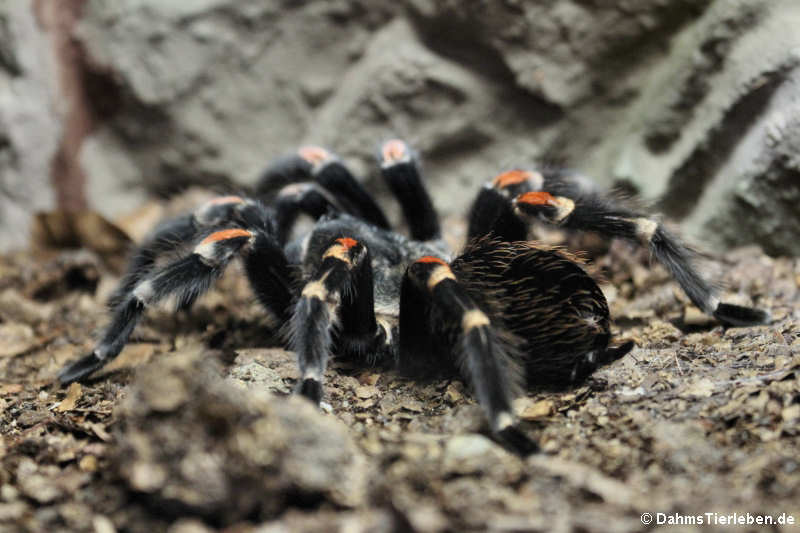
{"type": "Point", "coordinates": [310, 388]}
{"type": "Point", "coordinates": [613, 353]}
{"type": "Point", "coordinates": [514, 440]}
{"type": "Point", "coordinates": [80, 369]}
{"type": "Point", "coordinates": [737, 315]}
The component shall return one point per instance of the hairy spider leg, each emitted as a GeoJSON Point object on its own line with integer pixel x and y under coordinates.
{"type": "Point", "coordinates": [332, 174]}
{"type": "Point", "coordinates": [586, 366]}
{"type": "Point", "coordinates": [304, 197]}
{"type": "Point", "coordinates": [169, 235]}
{"type": "Point", "coordinates": [593, 212]}
{"type": "Point", "coordinates": [271, 276]}
{"type": "Point", "coordinates": [339, 295]}
{"type": "Point", "coordinates": [491, 212]}
{"type": "Point", "coordinates": [312, 163]}
{"type": "Point", "coordinates": [282, 172]}
{"type": "Point", "coordinates": [143, 259]}
{"type": "Point", "coordinates": [400, 169]}
{"type": "Point", "coordinates": [186, 279]}
{"type": "Point", "coordinates": [430, 293]}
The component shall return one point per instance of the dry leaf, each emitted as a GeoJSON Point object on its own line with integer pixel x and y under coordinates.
{"type": "Point", "coordinates": [368, 378]}
{"type": "Point", "coordinates": [71, 400]}
{"type": "Point", "coordinates": [411, 405]}
{"type": "Point", "coordinates": [452, 393]}
{"type": "Point", "coordinates": [366, 391]}
{"type": "Point", "coordinates": [539, 409]}
{"type": "Point", "coordinates": [81, 229]}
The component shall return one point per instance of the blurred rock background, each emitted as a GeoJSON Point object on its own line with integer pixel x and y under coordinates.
{"type": "Point", "coordinates": [695, 104]}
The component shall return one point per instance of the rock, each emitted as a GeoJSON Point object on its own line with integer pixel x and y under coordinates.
{"type": "Point", "coordinates": [46, 484]}
{"type": "Point", "coordinates": [30, 125]}
{"type": "Point", "coordinates": [702, 388]}
{"type": "Point", "coordinates": [211, 89]}
{"type": "Point", "coordinates": [461, 452]}
{"type": "Point", "coordinates": [103, 524]}
{"type": "Point", "coordinates": [10, 512]}
{"type": "Point", "coordinates": [757, 200]}
{"type": "Point", "coordinates": [268, 369]}
{"type": "Point", "coordinates": [473, 454]}
{"type": "Point", "coordinates": [218, 450]}
{"type": "Point", "coordinates": [554, 49]}
{"type": "Point", "coordinates": [15, 307]}
{"type": "Point", "coordinates": [401, 88]}
{"type": "Point", "coordinates": [692, 103]}
{"type": "Point", "coordinates": [711, 134]}
{"type": "Point", "coordinates": [189, 526]}
{"type": "Point", "coordinates": [254, 374]}
{"type": "Point", "coordinates": [35, 485]}
{"type": "Point", "coordinates": [16, 338]}
{"type": "Point", "coordinates": [88, 463]}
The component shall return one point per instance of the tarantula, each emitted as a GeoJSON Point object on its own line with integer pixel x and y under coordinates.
{"type": "Point", "coordinates": [504, 313]}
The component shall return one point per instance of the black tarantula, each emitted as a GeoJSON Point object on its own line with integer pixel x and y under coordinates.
{"type": "Point", "coordinates": [504, 313]}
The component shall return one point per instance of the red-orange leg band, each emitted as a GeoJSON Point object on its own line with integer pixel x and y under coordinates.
{"type": "Point", "coordinates": [512, 177]}
{"type": "Point", "coordinates": [225, 235]}
{"type": "Point", "coordinates": [537, 198]}
{"type": "Point", "coordinates": [431, 259]}
{"type": "Point", "coordinates": [347, 242]}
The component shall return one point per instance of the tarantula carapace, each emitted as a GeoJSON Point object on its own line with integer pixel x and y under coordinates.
{"type": "Point", "coordinates": [505, 313]}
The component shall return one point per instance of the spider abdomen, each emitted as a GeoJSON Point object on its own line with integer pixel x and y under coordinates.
{"type": "Point", "coordinates": [554, 312]}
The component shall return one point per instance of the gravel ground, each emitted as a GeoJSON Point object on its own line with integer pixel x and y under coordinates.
{"type": "Point", "coordinates": [191, 428]}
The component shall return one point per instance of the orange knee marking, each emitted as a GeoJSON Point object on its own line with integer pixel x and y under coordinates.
{"type": "Point", "coordinates": [394, 150]}
{"type": "Point", "coordinates": [431, 259]}
{"type": "Point", "coordinates": [226, 200]}
{"type": "Point", "coordinates": [537, 198]}
{"type": "Point", "coordinates": [347, 242]}
{"type": "Point", "coordinates": [225, 235]}
{"type": "Point", "coordinates": [314, 154]}
{"type": "Point", "coordinates": [512, 177]}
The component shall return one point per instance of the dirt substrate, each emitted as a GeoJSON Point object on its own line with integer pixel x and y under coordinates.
{"type": "Point", "coordinates": [191, 429]}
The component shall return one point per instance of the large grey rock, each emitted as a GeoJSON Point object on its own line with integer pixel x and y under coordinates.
{"type": "Point", "coordinates": [445, 110]}
{"type": "Point", "coordinates": [194, 443]}
{"type": "Point", "coordinates": [211, 90]}
{"type": "Point", "coordinates": [29, 121]}
{"type": "Point", "coordinates": [709, 133]}
{"type": "Point", "coordinates": [564, 51]}
{"type": "Point", "coordinates": [755, 197]}
{"type": "Point", "coordinates": [675, 98]}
